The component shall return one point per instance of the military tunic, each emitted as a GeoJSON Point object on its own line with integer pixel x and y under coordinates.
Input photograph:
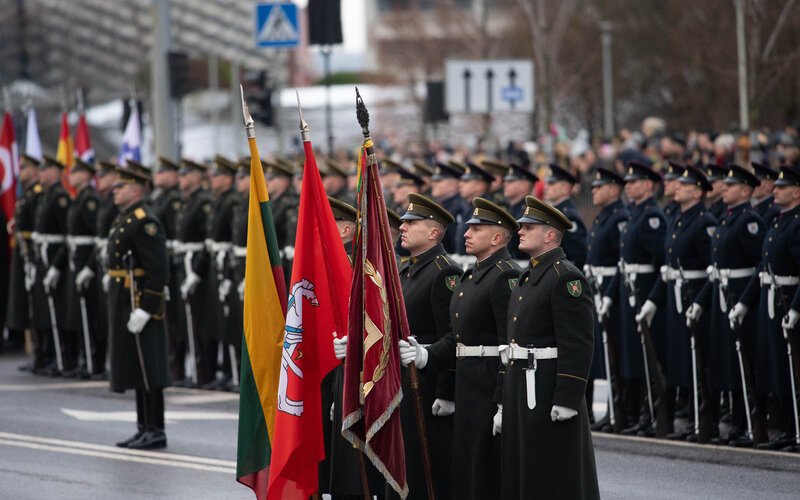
{"type": "Point", "coordinates": [550, 307]}
{"type": "Point", "coordinates": [51, 220]}
{"type": "Point", "coordinates": [516, 209]}
{"type": "Point", "coordinates": [574, 241]}
{"type": "Point", "coordinates": [767, 210]}
{"type": "Point", "coordinates": [428, 281]}
{"type": "Point", "coordinates": [81, 227]}
{"type": "Point", "coordinates": [453, 205]}
{"type": "Point", "coordinates": [137, 231]}
{"type": "Point", "coordinates": [219, 243]}
{"type": "Point", "coordinates": [717, 208]}
{"type": "Point", "coordinates": [671, 210]}
{"type": "Point", "coordinates": [781, 253]}
{"type": "Point", "coordinates": [18, 312]}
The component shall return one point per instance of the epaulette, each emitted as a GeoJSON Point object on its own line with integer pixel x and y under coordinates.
{"type": "Point", "coordinates": [38, 188]}
{"type": "Point", "coordinates": [140, 213]}
{"type": "Point", "coordinates": [504, 265]}
{"type": "Point", "coordinates": [443, 258]}
{"type": "Point", "coordinates": [560, 267]}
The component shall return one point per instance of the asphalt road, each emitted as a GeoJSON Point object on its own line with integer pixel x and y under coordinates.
{"type": "Point", "coordinates": [57, 440]}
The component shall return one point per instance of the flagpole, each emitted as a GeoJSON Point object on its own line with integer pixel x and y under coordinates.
{"type": "Point", "coordinates": [362, 114]}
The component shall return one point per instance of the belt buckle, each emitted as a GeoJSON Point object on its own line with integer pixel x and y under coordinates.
{"type": "Point", "coordinates": [481, 351]}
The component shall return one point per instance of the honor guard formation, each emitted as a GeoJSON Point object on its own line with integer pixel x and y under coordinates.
{"type": "Point", "coordinates": [668, 277]}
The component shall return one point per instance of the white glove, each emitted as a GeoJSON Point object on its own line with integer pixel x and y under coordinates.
{"type": "Point", "coordinates": [340, 347]}
{"type": "Point", "coordinates": [240, 289]}
{"type": "Point", "coordinates": [647, 313]}
{"type": "Point", "coordinates": [167, 294]}
{"type": "Point", "coordinates": [137, 320]}
{"type": "Point", "coordinates": [288, 252]}
{"type": "Point", "coordinates": [497, 421]}
{"type": "Point", "coordinates": [412, 352]}
{"type": "Point", "coordinates": [693, 314]}
{"type": "Point", "coordinates": [51, 279]}
{"type": "Point", "coordinates": [737, 314]}
{"type": "Point", "coordinates": [106, 282]}
{"type": "Point", "coordinates": [224, 289]}
{"type": "Point", "coordinates": [790, 320]}
{"type": "Point", "coordinates": [503, 352]}
{"type": "Point", "coordinates": [189, 285]}
{"type": "Point", "coordinates": [83, 278]}
{"type": "Point", "coordinates": [331, 414]}
{"type": "Point", "coordinates": [30, 276]}
{"type": "Point", "coordinates": [605, 308]}
{"type": "Point", "coordinates": [561, 413]}
{"type": "Point", "coordinates": [443, 407]}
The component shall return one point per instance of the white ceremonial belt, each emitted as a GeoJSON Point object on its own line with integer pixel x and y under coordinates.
{"type": "Point", "coordinates": [635, 269]}
{"type": "Point", "coordinates": [218, 246]}
{"type": "Point", "coordinates": [532, 355]}
{"type": "Point", "coordinates": [41, 238]}
{"type": "Point", "coordinates": [774, 282]}
{"type": "Point", "coordinates": [603, 271]}
{"type": "Point", "coordinates": [723, 276]}
{"type": "Point", "coordinates": [239, 251]}
{"type": "Point", "coordinates": [100, 242]}
{"type": "Point", "coordinates": [477, 351]}
{"type": "Point", "coordinates": [517, 352]}
{"type": "Point", "coordinates": [677, 277]}
{"type": "Point", "coordinates": [79, 241]}
{"type": "Point", "coordinates": [172, 244]}
{"type": "Point", "coordinates": [181, 247]}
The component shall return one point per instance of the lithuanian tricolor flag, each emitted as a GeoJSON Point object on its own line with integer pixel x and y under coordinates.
{"type": "Point", "coordinates": [264, 319]}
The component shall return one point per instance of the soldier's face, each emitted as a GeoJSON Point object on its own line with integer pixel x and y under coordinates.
{"type": "Point", "coordinates": [243, 184]}
{"type": "Point", "coordinates": [400, 193]}
{"type": "Point", "coordinates": [189, 180]}
{"type": "Point", "coordinates": [126, 194]}
{"type": "Point", "coordinates": [532, 238]}
{"type": "Point", "coordinates": [444, 188]}
{"type": "Point", "coordinates": [106, 181]}
{"type": "Point", "coordinates": [221, 183]}
{"type": "Point", "coordinates": [517, 189]}
{"type": "Point", "coordinates": [787, 196]}
{"type": "Point", "coordinates": [49, 176]}
{"type": "Point", "coordinates": [733, 194]}
{"type": "Point", "coordinates": [717, 188]}
{"type": "Point", "coordinates": [764, 189]}
{"type": "Point", "coordinates": [604, 194]}
{"type": "Point", "coordinates": [165, 179]}
{"type": "Point", "coordinates": [79, 178]}
{"type": "Point", "coordinates": [687, 193]}
{"type": "Point", "coordinates": [554, 191]}
{"type": "Point", "coordinates": [28, 173]}
{"type": "Point", "coordinates": [277, 184]}
{"type": "Point", "coordinates": [472, 188]}
{"type": "Point", "coordinates": [416, 235]}
{"type": "Point", "coordinates": [670, 187]}
{"type": "Point", "coordinates": [639, 190]}
{"type": "Point", "coordinates": [478, 240]}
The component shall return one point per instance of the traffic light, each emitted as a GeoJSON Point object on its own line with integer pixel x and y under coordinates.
{"type": "Point", "coordinates": [179, 85]}
{"type": "Point", "coordinates": [259, 97]}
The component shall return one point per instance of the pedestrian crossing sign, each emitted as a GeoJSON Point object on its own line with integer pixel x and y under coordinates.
{"type": "Point", "coordinates": [277, 25]}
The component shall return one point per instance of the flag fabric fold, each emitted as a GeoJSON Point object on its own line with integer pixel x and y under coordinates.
{"type": "Point", "coordinates": [372, 385]}
{"type": "Point", "coordinates": [33, 142]}
{"type": "Point", "coordinates": [9, 166]}
{"type": "Point", "coordinates": [317, 312]}
{"type": "Point", "coordinates": [264, 313]}
{"type": "Point", "coordinates": [65, 153]}
{"type": "Point", "coordinates": [131, 148]}
{"type": "Point", "coordinates": [83, 146]}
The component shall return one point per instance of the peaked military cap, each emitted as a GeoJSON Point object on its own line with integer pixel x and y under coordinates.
{"type": "Point", "coordinates": [223, 166]}
{"type": "Point", "coordinates": [715, 172]}
{"type": "Point", "coordinates": [560, 174]}
{"type": "Point", "coordinates": [243, 167]}
{"type": "Point", "coordinates": [343, 211]}
{"type": "Point", "coordinates": [394, 219]}
{"type": "Point", "coordinates": [81, 165]}
{"type": "Point", "coordinates": [495, 167]}
{"type": "Point", "coordinates": [740, 175]}
{"type": "Point", "coordinates": [474, 172]}
{"type": "Point", "coordinates": [333, 168]}
{"type": "Point", "coordinates": [695, 176]}
{"type": "Point", "coordinates": [788, 176]}
{"type": "Point", "coordinates": [277, 169]}
{"type": "Point", "coordinates": [133, 173]}
{"type": "Point", "coordinates": [446, 171]}
{"type": "Point", "coordinates": [165, 164]}
{"type": "Point", "coordinates": [422, 169]}
{"type": "Point", "coordinates": [188, 165]}
{"type": "Point", "coordinates": [458, 165]}
{"type": "Point", "coordinates": [29, 161]}
{"type": "Point", "coordinates": [763, 171]}
{"type": "Point", "coordinates": [106, 167]}
{"type": "Point", "coordinates": [539, 212]}
{"type": "Point", "coordinates": [638, 171]}
{"type": "Point", "coordinates": [389, 166]}
{"type": "Point", "coordinates": [489, 213]}
{"type": "Point", "coordinates": [421, 207]}
{"type": "Point", "coordinates": [408, 178]}
{"type": "Point", "coordinates": [603, 176]}
{"type": "Point", "coordinates": [517, 173]}
{"type": "Point", "coordinates": [673, 170]}
{"type": "Point", "coordinates": [49, 161]}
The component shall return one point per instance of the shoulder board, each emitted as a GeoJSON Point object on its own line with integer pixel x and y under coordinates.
{"type": "Point", "coordinates": [38, 188]}
{"type": "Point", "coordinates": [140, 213]}
{"type": "Point", "coordinates": [504, 265]}
{"type": "Point", "coordinates": [442, 261]}
{"type": "Point", "coordinates": [560, 267]}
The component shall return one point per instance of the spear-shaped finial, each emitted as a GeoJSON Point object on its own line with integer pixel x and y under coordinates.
{"type": "Point", "coordinates": [362, 114]}
{"type": "Point", "coordinates": [249, 124]}
{"type": "Point", "coordinates": [303, 125]}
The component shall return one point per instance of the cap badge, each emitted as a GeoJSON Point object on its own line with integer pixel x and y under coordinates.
{"type": "Point", "coordinates": [527, 210]}
{"type": "Point", "coordinates": [477, 210]}
{"type": "Point", "coordinates": [410, 207]}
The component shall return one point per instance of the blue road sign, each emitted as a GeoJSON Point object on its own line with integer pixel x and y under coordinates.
{"type": "Point", "coordinates": [277, 25]}
{"type": "Point", "coordinates": [511, 94]}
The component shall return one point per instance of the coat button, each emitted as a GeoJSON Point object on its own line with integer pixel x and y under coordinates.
{"type": "Point", "coordinates": [470, 276]}
{"type": "Point", "coordinates": [520, 298]}
{"type": "Point", "coordinates": [116, 280]}
{"type": "Point", "coordinates": [456, 315]}
{"type": "Point", "coordinates": [514, 318]}
{"type": "Point", "coordinates": [511, 362]}
{"type": "Point", "coordinates": [461, 294]}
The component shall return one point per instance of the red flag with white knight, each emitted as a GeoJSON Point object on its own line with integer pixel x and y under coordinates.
{"type": "Point", "coordinates": [9, 166]}
{"type": "Point", "coordinates": [372, 387]}
{"type": "Point", "coordinates": [316, 313]}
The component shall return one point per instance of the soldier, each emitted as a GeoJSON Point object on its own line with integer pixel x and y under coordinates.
{"type": "Point", "coordinates": [774, 291]}
{"type": "Point", "coordinates": [601, 267]}
{"type": "Point", "coordinates": [407, 183]}
{"type": "Point", "coordinates": [716, 175]}
{"type": "Point", "coordinates": [23, 261]}
{"type": "Point", "coordinates": [478, 315]}
{"type": "Point", "coordinates": [763, 201]}
{"type": "Point", "coordinates": [334, 179]}
{"type": "Point", "coordinates": [240, 222]}
{"type": "Point", "coordinates": [218, 283]}
{"type": "Point", "coordinates": [105, 178]}
{"type": "Point", "coordinates": [474, 182]}
{"type": "Point", "coordinates": [517, 184]}
{"type": "Point", "coordinates": [424, 172]}
{"type": "Point", "coordinates": [191, 230]}
{"type": "Point", "coordinates": [165, 201]}
{"type": "Point", "coordinates": [546, 443]}
{"type": "Point", "coordinates": [687, 255]}
{"type": "Point", "coordinates": [499, 170]}
{"type": "Point", "coordinates": [670, 177]}
{"type": "Point", "coordinates": [389, 175]}
{"type": "Point", "coordinates": [641, 255]}
{"type": "Point", "coordinates": [735, 250]}
{"type": "Point", "coordinates": [139, 271]}
{"type": "Point", "coordinates": [557, 191]}
{"type": "Point", "coordinates": [284, 201]}
{"type": "Point", "coordinates": [428, 279]}
{"type": "Point", "coordinates": [444, 190]}
{"type": "Point", "coordinates": [394, 230]}
{"type": "Point", "coordinates": [49, 239]}
{"type": "Point", "coordinates": [81, 278]}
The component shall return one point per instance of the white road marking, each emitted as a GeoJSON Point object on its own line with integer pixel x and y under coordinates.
{"type": "Point", "coordinates": [200, 399]}
{"type": "Point", "coordinates": [115, 453]}
{"type": "Point", "coordinates": [54, 386]}
{"type": "Point", "coordinates": [130, 416]}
